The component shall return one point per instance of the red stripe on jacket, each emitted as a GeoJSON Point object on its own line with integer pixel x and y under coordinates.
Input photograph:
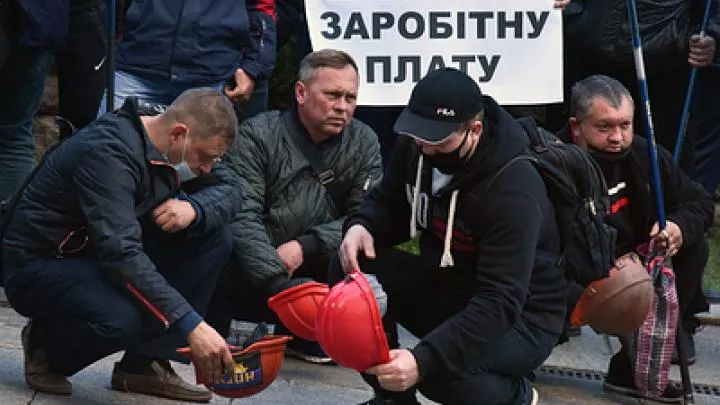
{"type": "Point", "coordinates": [619, 204]}
{"type": "Point", "coordinates": [153, 309]}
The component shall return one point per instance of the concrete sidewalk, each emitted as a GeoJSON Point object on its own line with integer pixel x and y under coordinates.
{"type": "Point", "coordinates": [304, 384]}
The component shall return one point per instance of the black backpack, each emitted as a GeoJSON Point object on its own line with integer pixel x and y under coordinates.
{"type": "Point", "coordinates": [578, 191]}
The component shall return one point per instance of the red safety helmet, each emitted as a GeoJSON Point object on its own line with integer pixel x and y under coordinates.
{"type": "Point", "coordinates": [349, 325]}
{"type": "Point", "coordinates": [255, 367]}
{"type": "Point", "coordinates": [617, 304]}
{"type": "Point", "coordinates": [297, 307]}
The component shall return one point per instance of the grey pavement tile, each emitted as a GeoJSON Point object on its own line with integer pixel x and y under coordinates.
{"type": "Point", "coordinates": [10, 337]}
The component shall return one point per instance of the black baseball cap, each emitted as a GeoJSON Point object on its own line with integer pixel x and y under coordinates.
{"type": "Point", "coordinates": [439, 103]}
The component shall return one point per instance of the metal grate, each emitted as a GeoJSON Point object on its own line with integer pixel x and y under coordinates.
{"type": "Point", "coordinates": [592, 375]}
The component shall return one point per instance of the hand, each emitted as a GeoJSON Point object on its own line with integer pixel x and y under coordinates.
{"type": "Point", "coordinates": [244, 86]}
{"type": "Point", "coordinates": [702, 50]}
{"type": "Point", "coordinates": [400, 374]}
{"type": "Point", "coordinates": [174, 215]}
{"type": "Point", "coordinates": [210, 352]}
{"type": "Point", "coordinates": [561, 4]}
{"type": "Point", "coordinates": [356, 239]}
{"type": "Point", "coordinates": [672, 243]}
{"type": "Point", "coordinates": [291, 254]}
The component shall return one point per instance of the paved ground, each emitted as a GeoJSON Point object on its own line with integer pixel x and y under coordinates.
{"type": "Point", "coordinates": [303, 384]}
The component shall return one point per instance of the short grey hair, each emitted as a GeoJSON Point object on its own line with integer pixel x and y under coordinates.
{"type": "Point", "coordinates": [331, 58]}
{"type": "Point", "coordinates": [206, 109]}
{"type": "Point", "coordinates": [585, 91]}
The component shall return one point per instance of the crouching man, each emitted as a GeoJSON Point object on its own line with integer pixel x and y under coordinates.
{"type": "Point", "coordinates": [105, 251]}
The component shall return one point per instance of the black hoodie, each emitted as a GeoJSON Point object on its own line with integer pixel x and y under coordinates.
{"type": "Point", "coordinates": [505, 241]}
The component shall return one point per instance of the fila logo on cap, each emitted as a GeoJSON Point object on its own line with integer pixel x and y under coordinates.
{"type": "Point", "coordinates": [446, 112]}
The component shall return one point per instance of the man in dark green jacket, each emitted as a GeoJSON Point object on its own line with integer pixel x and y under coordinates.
{"type": "Point", "coordinates": [291, 221]}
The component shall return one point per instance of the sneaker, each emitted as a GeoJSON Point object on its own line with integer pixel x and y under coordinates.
{"type": "Point", "coordinates": [38, 374]}
{"type": "Point", "coordinates": [160, 380]}
{"type": "Point", "coordinates": [689, 350]}
{"type": "Point", "coordinates": [620, 380]}
{"type": "Point", "coordinates": [307, 351]}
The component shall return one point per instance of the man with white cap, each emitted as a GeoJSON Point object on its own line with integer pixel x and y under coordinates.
{"type": "Point", "coordinates": [485, 295]}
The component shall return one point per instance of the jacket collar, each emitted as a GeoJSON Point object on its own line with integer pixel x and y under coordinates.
{"type": "Point", "coordinates": [129, 110]}
{"type": "Point", "coordinates": [291, 117]}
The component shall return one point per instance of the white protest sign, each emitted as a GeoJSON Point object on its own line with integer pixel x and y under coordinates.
{"type": "Point", "coordinates": [513, 48]}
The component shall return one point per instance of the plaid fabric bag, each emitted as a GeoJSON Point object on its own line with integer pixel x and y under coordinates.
{"type": "Point", "coordinates": [652, 346]}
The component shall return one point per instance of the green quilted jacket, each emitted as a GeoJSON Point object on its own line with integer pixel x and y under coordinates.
{"type": "Point", "coordinates": [284, 199]}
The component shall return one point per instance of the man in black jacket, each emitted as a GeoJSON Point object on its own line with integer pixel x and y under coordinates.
{"type": "Point", "coordinates": [485, 295]}
{"type": "Point", "coordinates": [105, 251]}
{"type": "Point", "coordinates": [602, 123]}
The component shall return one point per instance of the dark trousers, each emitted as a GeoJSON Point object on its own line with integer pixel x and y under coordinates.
{"type": "Point", "coordinates": [80, 315]}
{"type": "Point", "coordinates": [705, 115]}
{"type": "Point", "coordinates": [237, 297]}
{"type": "Point", "coordinates": [689, 266]}
{"type": "Point", "coordinates": [81, 65]}
{"type": "Point", "coordinates": [81, 80]}
{"type": "Point", "coordinates": [420, 299]}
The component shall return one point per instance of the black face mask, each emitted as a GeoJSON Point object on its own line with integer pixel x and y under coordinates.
{"type": "Point", "coordinates": [607, 157]}
{"type": "Point", "coordinates": [449, 162]}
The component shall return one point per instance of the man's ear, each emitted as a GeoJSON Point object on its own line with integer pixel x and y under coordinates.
{"type": "Point", "coordinates": [574, 129]}
{"type": "Point", "coordinates": [476, 128]}
{"type": "Point", "coordinates": [300, 92]}
{"type": "Point", "coordinates": [177, 130]}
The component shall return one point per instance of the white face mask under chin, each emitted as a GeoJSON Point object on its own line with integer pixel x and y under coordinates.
{"type": "Point", "coordinates": [183, 169]}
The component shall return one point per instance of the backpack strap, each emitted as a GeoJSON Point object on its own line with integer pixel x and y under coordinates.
{"type": "Point", "coordinates": [497, 174]}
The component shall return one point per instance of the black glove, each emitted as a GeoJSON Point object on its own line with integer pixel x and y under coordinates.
{"type": "Point", "coordinates": [282, 283]}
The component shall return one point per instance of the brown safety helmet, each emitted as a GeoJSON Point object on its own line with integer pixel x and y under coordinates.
{"type": "Point", "coordinates": [617, 304]}
{"type": "Point", "coordinates": [255, 367]}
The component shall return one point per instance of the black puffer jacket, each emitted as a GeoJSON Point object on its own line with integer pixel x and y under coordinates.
{"type": "Point", "coordinates": [599, 31]}
{"type": "Point", "coordinates": [96, 184]}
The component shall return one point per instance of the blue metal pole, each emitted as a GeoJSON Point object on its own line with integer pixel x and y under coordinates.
{"type": "Point", "coordinates": [645, 101]}
{"type": "Point", "coordinates": [688, 97]}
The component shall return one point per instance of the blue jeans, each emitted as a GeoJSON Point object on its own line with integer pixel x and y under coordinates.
{"type": "Point", "coordinates": [22, 80]}
{"type": "Point", "coordinates": [155, 90]}
{"type": "Point", "coordinates": [80, 315]}
{"type": "Point", "coordinates": [148, 89]}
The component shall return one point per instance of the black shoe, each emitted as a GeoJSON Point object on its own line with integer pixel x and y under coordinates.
{"type": "Point", "coordinates": [382, 401]}
{"type": "Point", "coordinates": [307, 351]}
{"type": "Point", "coordinates": [620, 380]}
{"type": "Point", "coordinates": [689, 350]}
{"type": "Point", "coordinates": [38, 374]}
{"type": "Point", "coordinates": [378, 401]}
